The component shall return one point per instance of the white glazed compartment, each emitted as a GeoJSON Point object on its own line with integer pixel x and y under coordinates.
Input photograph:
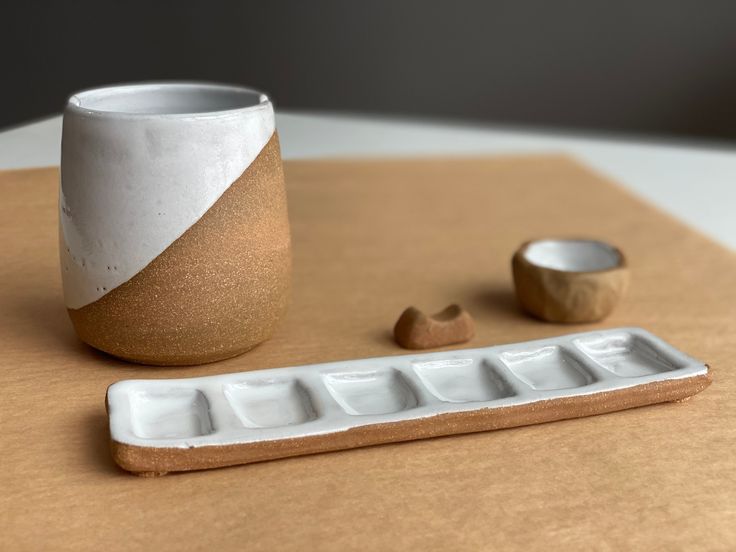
{"type": "Point", "coordinates": [286, 403]}
{"type": "Point", "coordinates": [547, 368]}
{"type": "Point", "coordinates": [626, 355]}
{"type": "Point", "coordinates": [269, 403]}
{"type": "Point", "coordinates": [175, 413]}
{"type": "Point", "coordinates": [372, 392]}
{"type": "Point", "coordinates": [462, 380]}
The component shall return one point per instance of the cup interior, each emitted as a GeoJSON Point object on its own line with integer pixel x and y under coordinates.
{"type": "Point", "coordinates": [573, 255]}
{"type": "Point", "coordinates": [167, 99]}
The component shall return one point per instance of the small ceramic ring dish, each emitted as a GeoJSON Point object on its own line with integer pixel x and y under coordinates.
{"type": "Point", "coordinates": [569, 280]}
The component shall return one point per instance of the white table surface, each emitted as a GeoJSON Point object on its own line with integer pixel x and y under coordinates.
{"type": "Point", "coordinates": [696, 184]}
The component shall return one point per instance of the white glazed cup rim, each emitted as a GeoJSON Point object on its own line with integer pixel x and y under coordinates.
{"type": "Point", "coordinates": [110, 101]}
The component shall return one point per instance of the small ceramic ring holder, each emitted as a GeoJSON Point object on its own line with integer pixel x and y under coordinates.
{"type": "Point", "coordinates": [569, 280]}
{"type": "Point", "coordinates": [174, 234]}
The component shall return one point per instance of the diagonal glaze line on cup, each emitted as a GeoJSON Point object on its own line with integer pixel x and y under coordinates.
{"type": "Point", "coordinates": [216, 291]}
{"type": "Point", "coordinates": [137, 180]}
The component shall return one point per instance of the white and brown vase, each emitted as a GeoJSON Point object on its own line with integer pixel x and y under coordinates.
{"type": "Point", "coordinates": [174, 234]}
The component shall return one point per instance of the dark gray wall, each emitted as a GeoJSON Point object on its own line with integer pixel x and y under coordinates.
{"type": "Point", "coordinates": [656, 67]}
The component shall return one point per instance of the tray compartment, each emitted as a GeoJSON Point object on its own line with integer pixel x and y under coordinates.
{"type": "Point", "coordinates": [547, 368]}
{"type": "Point", "coordinates": [363, 393]}
{"type": "Point", "coordinates": [626, 355]}
{"type": "Point", "coordinates": [462, 380]}
{"type": "Point", "coordinates": [177, 413]}
{"type": "Point", "coordinates": [261, 403]}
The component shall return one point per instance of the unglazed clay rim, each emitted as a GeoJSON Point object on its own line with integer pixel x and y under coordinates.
{"type": "Point", "coordinates": [75, 101]}
{"type": "Point", "coordinates": [522, 257]}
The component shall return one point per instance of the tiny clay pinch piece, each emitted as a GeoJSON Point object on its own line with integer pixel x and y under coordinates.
{"type": "Point", "coordinates": [569, 280]}
{"type": "Point", "coordinates": [416, 330]}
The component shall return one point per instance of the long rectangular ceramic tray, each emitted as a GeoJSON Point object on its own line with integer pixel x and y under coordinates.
{"type": "Point", "coordinates": [159, 426]}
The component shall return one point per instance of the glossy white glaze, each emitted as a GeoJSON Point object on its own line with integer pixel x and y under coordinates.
{"type": "Point", "coordinates": [269, 402]}
{"type": "Point", "coordinates": [324, 398]}
{"type": "Point", "coordinates": [572, 255]}
{"type": "Point", "coordinates": [547, 368]}
{"type": "Point", "coordinates": [172, 414]}
{"type": "Point", "coordinates": [626, 355]}
{"type": "Point", "coordinates": [462, 380]}
{"type": "Point", "coordinates": [365, 393]}
{"type": "Point", "coordinates": [140, 165]}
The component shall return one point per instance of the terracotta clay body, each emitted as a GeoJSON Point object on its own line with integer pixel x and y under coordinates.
{"type": "Point", "coordinates": [416, 330]}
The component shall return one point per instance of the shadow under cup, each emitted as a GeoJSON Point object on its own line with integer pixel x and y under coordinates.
{"type": "Point", "coordinates": [174, 231]}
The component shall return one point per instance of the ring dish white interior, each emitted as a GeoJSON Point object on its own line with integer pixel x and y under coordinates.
{"type": "Point", "coordinates": [573, 255]}
{"type": "Point", "coordinates": [325, 398]}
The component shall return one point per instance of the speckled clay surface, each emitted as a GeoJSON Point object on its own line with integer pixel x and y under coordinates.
{"type": "Point", "coordinates": [173, 425]}
{"type": "Point", "coordinates": [569, 280]}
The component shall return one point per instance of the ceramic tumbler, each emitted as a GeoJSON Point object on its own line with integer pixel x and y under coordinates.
{"type": "Point", "coordinates": [174, 232]}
